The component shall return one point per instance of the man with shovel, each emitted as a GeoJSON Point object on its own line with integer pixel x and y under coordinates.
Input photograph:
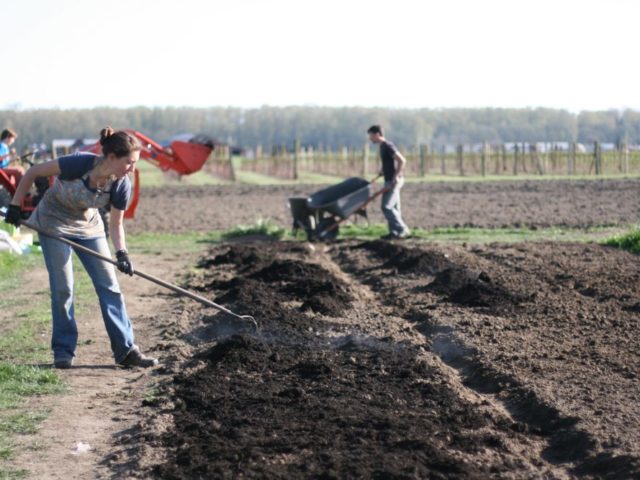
{"type": "Point", "coordinates": [393, 163]}
{"type": "Point", "coordinates": [69, 211]}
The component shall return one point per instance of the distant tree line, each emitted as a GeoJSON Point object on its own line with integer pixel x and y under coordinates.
{"type": "Point", "coordinates": [331, 127]}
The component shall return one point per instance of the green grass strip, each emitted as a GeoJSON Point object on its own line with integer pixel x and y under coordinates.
{"type": "Point", "coordinates": [267, 227]}
{"type": "Point", "coordinates": [23, 423]}
{"type": "Point", "coordinates": [260, 227]}
{"type": "Point", "coordinates": [18, 381]}
{"type": "Point", "coordinates": [12, 474]}
{"type": "Point", "coordinates": [6, 451]}
{"type": "Point", "coordinates": [627, 241]}
{"type": "Point", "coordinates": [22, 346]}
{"type": "Point", "coordinates": [156, 243]}
{"type": "Point", "coordinates": [482, 235]}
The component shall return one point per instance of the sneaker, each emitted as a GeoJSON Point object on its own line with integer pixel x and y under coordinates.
{"type": "Point", "coordinates": [404, 234]}
{"type": "Point", "coordinates": [397, 236]}
{"type": "Point", "coordinates": [63, 363]}
{"type": "Point", "coordinates": [136, 359]}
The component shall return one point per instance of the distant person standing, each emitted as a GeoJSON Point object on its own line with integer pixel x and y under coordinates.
{"type": "Point", "coordinates": [393, 164]}
{"type": "Point", "coordinates": [7, 154]}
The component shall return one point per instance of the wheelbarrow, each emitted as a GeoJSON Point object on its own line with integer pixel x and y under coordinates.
{"type": "Point", "coordinates": [321, 214]}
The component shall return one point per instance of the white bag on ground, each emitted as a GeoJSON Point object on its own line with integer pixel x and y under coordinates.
{"type": "Point", "coordinates": [9, 244]}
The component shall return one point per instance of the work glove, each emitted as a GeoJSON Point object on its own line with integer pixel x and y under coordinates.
{"type": "Point", "coordinates": [13, 215]}
{"type": "Point", "coordinates": [124, 264]}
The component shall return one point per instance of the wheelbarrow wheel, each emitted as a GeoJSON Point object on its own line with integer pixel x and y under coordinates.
{"type": "Point", "coordinates": [324, 230]}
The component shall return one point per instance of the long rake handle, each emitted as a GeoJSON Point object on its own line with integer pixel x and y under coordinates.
{"type": "Point", "coordinates": [139, 273]}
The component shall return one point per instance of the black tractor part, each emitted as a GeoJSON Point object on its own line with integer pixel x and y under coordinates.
{"type": "Point", "coordinates": [204, 140]}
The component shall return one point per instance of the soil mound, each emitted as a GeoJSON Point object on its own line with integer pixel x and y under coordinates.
{"type": "Point", "coordinates": [408, 260]}
{"type": "Point", "coordinates": [362, 397]}
{"type": "Point", "coordinates": [264, 286]}
{"type": "Point", "coordinates": [237, 350]}
{"type": "Point", "coordinates": [358, 407]}
{"type": "Point", "coordinates": [471, 288]}
{"type": "Point", "coordinates": [241, 256]}
{"type": "Point", "coordinates": [287, 411]}
{"type": "Point", "coordinates": [251, 256]}
{"type": "Point", "coordinates": [251, 297]}
{"type": "Point", "coordinates": [460, 284]}
{"type": "Point", "coordinates": [309, 283]}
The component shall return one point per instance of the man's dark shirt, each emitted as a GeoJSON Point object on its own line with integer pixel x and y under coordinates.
{"type": "Point", "coordinates": [387, 153]}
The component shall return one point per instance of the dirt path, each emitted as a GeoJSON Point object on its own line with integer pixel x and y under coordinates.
{"type": "Point", "coordinates": [103, 401]}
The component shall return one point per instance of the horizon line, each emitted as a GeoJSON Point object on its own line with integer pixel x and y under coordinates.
{"type": "Point", "coordinates": [20, 108]}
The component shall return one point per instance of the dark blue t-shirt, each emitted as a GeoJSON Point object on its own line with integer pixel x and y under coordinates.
{"type": "Point", "coordinates": [387, 153]}
{"type": "Point", "coordinates": [77, 165]}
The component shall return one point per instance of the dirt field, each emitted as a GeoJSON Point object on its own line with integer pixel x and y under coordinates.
{"type": "Point", "coordinates": [382, 360]}
{"type": "Point", "coordinates": [372, 359]}
{"type": "Point", "coordinates": [427, 205]}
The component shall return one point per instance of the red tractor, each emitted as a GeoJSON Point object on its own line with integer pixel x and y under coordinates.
{"type": "Point", "coordinates": [9, 179]}
{"type": "Point", "coordinates": [182, 157]}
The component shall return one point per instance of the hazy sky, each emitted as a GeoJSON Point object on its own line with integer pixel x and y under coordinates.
{"type": "Point", "coordinates": [574, 54]}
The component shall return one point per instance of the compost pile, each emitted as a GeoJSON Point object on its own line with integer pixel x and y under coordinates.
{"type": "Point", "coordinates": [383, 360]}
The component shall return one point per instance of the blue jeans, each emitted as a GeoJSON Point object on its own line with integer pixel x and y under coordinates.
{"type": "Point", "coordinates": [57, 257]}
{"type": "Point", "coordinates": [391, 207]}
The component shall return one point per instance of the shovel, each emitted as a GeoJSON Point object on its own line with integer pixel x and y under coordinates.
{"type": "Point", "coordinates": [146, 276]}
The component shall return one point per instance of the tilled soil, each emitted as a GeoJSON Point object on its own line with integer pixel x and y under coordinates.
{"type": "Point", "coordinates": [403, 360]}
{"type": "Point", "coordinates": [545, 203]}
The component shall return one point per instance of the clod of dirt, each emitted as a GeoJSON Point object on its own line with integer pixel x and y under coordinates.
{"type": "Point", "coordinates": [324, 305]}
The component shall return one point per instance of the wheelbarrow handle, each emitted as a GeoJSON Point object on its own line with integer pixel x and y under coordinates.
{"type": "Point", "coordinates": [139, 273]}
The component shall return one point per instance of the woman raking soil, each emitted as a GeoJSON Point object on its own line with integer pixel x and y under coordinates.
{"type": "Point", "coordinates": [69, 209]}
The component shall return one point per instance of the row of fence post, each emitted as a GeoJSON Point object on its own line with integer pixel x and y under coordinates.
{"type": "Point", "coordinates": [525, 158]}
